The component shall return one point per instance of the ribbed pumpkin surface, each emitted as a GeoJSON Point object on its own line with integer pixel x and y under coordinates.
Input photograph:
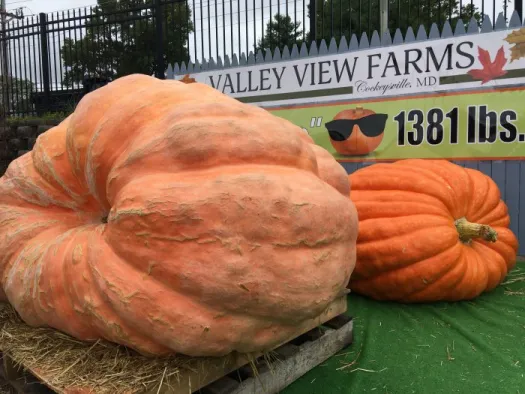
{"type": "Point", "coordinates": [409, 247]}
{"type": "Point", "coordinates": [226, 226]}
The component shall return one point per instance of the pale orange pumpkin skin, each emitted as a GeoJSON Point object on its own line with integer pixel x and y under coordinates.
{"type": "Point", "coordinates": [408, 248]}
{"type": "Point", "coordinates": [227, 227]}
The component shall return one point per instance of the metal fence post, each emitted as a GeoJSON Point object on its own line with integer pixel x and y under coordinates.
{"type": "Point", "coordinates": [313, 19]}
{"type": "Point", "coordinates": [160, 68]}
{"type": "Point", "coordinates": [383, 16]}
{"type": "Point", "coordinates": [44, 52]}
{"type": "Point", "coordinates": [518, 6]}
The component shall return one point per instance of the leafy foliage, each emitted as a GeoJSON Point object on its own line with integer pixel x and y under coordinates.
{"type": "Point", "coordinates": [337, 18]}
{"type": "Point", "coordinates": [121, 39]}
{"type": "Point", "coordinates": [280, 32]}
{"type": "Point", "coordinates": [15, 95]}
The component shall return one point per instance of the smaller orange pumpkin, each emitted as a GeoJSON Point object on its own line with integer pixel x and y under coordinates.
{"type": "Point", "coordinates": [187, 79]}
{"type": "Point", "coordinates": [356, 132]}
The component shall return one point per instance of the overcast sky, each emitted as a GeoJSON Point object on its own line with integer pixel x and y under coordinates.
{"type": "Point", "coordinates": [206, 32]}
{"type": "Point", "coordinates": [37, 6]}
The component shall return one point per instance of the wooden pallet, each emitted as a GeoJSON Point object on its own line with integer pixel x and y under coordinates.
{"type": "Point", "coordinates": [294, 359]}
{"type": "Point", "coordinates": [321, 338]}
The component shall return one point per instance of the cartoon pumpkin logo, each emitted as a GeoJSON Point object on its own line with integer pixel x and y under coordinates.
{"type": "Point", "coordinates": [356, 132]}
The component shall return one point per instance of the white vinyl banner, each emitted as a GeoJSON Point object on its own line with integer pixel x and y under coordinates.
{"type": "Point", "coordinates": [457, 63]}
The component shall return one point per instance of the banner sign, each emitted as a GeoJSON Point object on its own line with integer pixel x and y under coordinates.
{"type": "Point", "coordinates": [486, 124]}
{"type": "Point", "coordinates": [457, 98]}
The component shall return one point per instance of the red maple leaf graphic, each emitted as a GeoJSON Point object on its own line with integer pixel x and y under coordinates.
{"type": "Point", "coordinates": [490, 69]}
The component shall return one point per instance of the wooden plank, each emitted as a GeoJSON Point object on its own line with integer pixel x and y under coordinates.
{"type": "Point", "coordinates": [10, 370]}
{"type": "Point", "coordinates": [512, 194]}
{"type": "Point", "coordinates": [350, 167]}
{"type": "Point", "coordinates": [310, 355]}
{"type": "Point", "coordinates": [471, 164]}
{"type": "Point", "coordinates": [485, 166]}
{"type": "Point", "coordinates": [20, 381]}
{"type": "Point", "coordinates": [223, 386]}
{"type": "Point", "coordinates": [521, 218]}
{"type": "Point", "coordinates": [203, 374]}
{"type": "Point", "coordinates": [498, 175]}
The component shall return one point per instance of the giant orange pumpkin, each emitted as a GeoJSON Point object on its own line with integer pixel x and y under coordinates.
{"type": "Point", "coordinates": [429, 230]}
{"type": "Point", "coordinates": [356, 132]}
{"type": "Point", "coordinates": [169, 217]}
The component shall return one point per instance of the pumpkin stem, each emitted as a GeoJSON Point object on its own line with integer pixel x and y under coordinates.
{"type": "Point", "coordinates": [467, 231]}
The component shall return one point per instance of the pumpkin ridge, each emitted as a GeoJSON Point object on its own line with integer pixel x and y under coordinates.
{"type": "Point", "coordinates": [50, 169]}
{"type": "Point", "coordinates": [97, 104]}
{"type": "Point", "coordinates": [396, 237]}
{"type": "Point", "coordinates": [439, 280]}
{"type": "Point", "coordinates": [396, 263]}
{"type": "Point", "coordinates": [422, 193]}
{"type": "Point", "coordinates": [19, 257]}
{"type": "Point", "coordinates": [41, 157]}
{"type": "Point", "coordinates": [469, 284]}
{"type": "Point", "coordinates": [196, 168]}
{"type": "Point", "coordinates": [44, 199]}
{"type": "Point", "coordinates": [500, 214]}
{"type": "Point", "coordinates": [60, 237]}
{"type": "Point", "coordinates": [453, 209]}
{"type": "Point", "coordinates": [8, 257]}
{"type": "Point", "coordinates": [437, 191]}
{"type": "Point", "coordinates": [372, 228]}
{"type": "Point", "coordinates": [481, 187]}
{"type": "Point", "coordinates": [23, 178]}
{"type": "Point", "coordinates": [505, 238]}
{"type": "Point", "coordinates": [408, 266]}
{"type": "Point", "coordinates": [52, 163]}
{"type": "Point", "coordinates": [122, 330]}
{"type": "Point", "coordinates": [90, 171]}
{"type": "Point", "coordinates": [494, 265]}
{"type": "Point", "coordinates": [220, 171]}
{"type": "Point", "coordinates": [301, 146]}
{"type": "Point", "coordinates": [162, 279]}
{"type": "Point", "coordinates": [141, 328]}
{"type": "Point", "coordinates": [437, 286]}
{"type": "Point", "coordinates": [444, 285]}
{"type": "Point", "coordinates": [392, 213]}
{"type": "Point", "coordinates": [503, 247]}
{"type": "Point", "coordinates": [402, 168]}
{"type": "Point", "coordinates": [466, 283]}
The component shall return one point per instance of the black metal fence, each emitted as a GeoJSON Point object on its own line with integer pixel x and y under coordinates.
{"type": "Point", "coordinates": [48, 62]}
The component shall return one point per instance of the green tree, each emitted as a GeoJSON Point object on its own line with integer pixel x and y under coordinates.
{"type": "Point", "coordinates": [15, 95]}
{"type": "Point", "coordinates": [280, 32]}
{"type": "Point", "coordinates": [339, 18]}
{"type": "Point", "coordinates": [120, 39]}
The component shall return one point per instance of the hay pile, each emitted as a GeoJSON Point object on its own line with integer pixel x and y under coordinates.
{"type": "Point", "coordinates": [103, 367]}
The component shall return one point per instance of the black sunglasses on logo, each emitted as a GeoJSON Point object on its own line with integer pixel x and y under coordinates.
{"type": "Point", "coordinates": [371, 126]}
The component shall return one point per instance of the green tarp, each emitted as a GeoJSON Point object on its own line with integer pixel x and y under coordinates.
{"type": "Point", "coordinates": [473, 347]}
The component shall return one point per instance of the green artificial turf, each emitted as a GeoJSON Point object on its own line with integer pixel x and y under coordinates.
{"type": "Point", "coordinates": [473, 347]}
